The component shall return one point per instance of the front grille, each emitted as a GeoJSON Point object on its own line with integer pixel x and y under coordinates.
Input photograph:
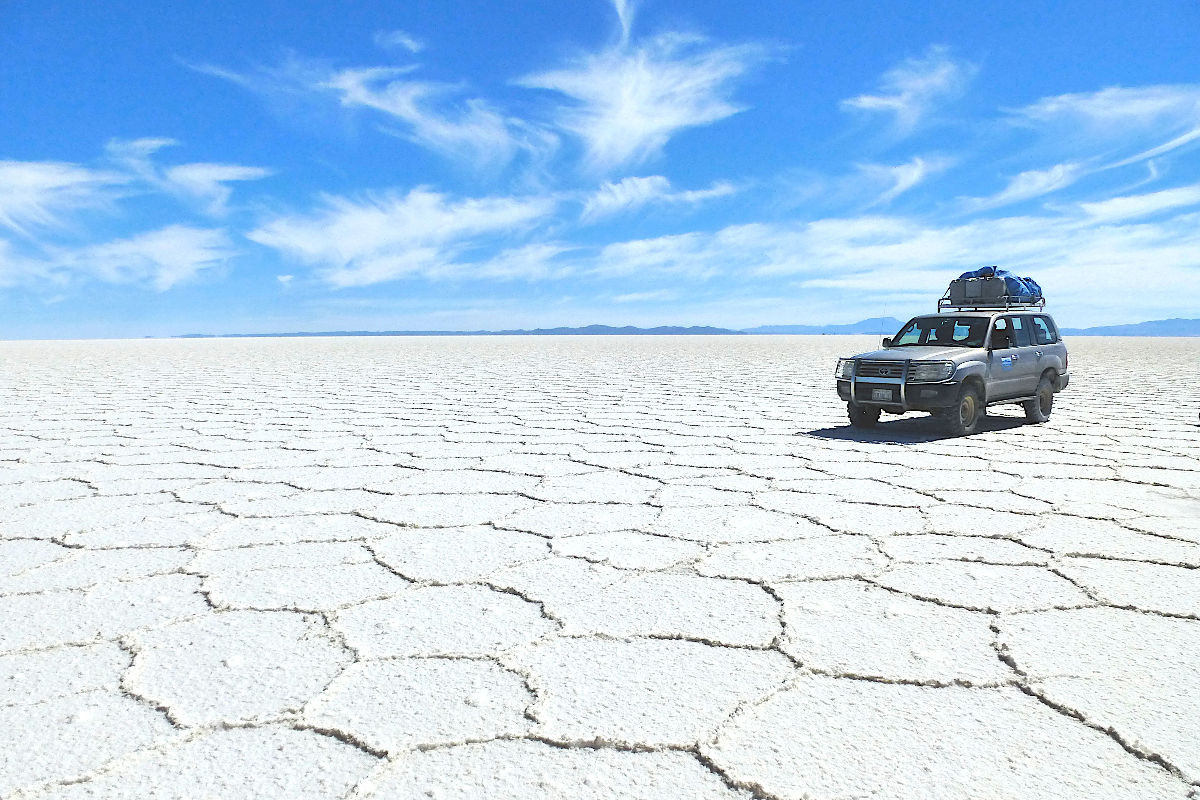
{"type": "Point", "coordinates": [879, 369]}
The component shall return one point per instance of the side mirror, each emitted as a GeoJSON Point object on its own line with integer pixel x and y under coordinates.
{"type": "Point", "coordinates": [887, 341]}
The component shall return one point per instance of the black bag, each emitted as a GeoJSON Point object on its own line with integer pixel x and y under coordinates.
{"type": "Point", "coordinates": [977, 291]}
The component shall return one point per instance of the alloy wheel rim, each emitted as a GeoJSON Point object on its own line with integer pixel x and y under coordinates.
{"type": "Point", "coordinates": [966, 410]}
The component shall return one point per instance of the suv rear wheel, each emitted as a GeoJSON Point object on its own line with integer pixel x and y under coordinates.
{"type": "Point", "coordinates": [1038, 409]}
{"type": "Point", "coordinates": [963, 418]}
{"type": "Point", "coordinates": [862, 416]}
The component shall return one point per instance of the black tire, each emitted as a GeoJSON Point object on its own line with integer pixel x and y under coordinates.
{"type": "Point", "coordinates": [862, 416]}
{"type": "Point", "coordinates": [1038, 409]}
{"type": "Point", "coordinates": [963, 418]}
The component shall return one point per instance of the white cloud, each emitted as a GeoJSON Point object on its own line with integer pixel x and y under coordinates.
{"type": "Point", "coordinates": [1085, 264]}
{"type": "Point", "coordinates": [158, 259]}
{"type": "Point", "coordinates": [900, 178]}
{"type": "Point", "coordinates": [1174, 144]}
{"type": "Point", "coordinates": [420, 234]}
{"type": "Point", "coordinates": [469, 130]}
{"type": "Point", "coordinates": [628, 194]}
{"type": "Point", "coordinates": [206, 182]}
{"type": "Point", "coordinates": [1150, 120]}
{"type": "Point", "coordinates": [1122, 106]}
{"type": "Point", "coordinates": [1141, 205]}
{"type": "Point", "coordinates": [35, 194]}
{"type": "Point", "coordinates": [658, 295]}
{"type": "Point", "coordinates": [431, 114]}
{"type": "Point", "coordinates": [625, 11]}
{"type": "Point", "coordinates": [631, 99]}
{"type": "Point", "coordinates": [13, 268]}
{"type": "Point", "coordinates": [1028, 185]}
{"type": "Point", "coordinates": [538, 261]}
{"type": "Point", "coordinates": [398, 38]}
{"type": "Point", "coordinates": [161, 258]}
{"type": "Point", "coordinates": [912, 88]}
{"type": "Point", "coordinates": [199, 183]}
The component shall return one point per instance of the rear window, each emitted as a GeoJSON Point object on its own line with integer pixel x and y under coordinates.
{"type": "Point", "coordinates": [1044, 331]}
{"type": "Point", "coordinates": [1010, 332]}
{"type": "Point", "coordinates": [1020, 332]}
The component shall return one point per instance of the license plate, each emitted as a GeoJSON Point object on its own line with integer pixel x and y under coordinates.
{"type": "Point", "coordinates": [881, 394]}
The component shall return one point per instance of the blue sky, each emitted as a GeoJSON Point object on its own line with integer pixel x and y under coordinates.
{"type": "Point", "coordinates": [253, 166]}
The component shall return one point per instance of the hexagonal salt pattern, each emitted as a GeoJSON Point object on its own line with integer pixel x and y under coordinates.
{"type": "Point", "coordinates": [270, 761]}
{"type": "Point", "coordinates": [871, 739]}
{"type": "Point", "coordinates": [585, 567]}
{"type": "Point", "coordinates": [401, 704]}
{"type": "Point", "coordinates": [514, 770]}
{"type": "Point", "coordinates": [240, 666]}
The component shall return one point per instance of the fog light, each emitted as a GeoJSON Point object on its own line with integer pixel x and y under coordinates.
{"type": "Point", "coordinates": [928, 393]}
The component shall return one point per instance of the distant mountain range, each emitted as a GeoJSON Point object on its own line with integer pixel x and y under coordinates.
{"type": "Point", "coordinates": [1158, 327]}
{"type": "Point", "coordinates": [881, 326]}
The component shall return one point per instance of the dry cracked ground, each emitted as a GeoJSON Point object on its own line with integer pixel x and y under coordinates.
{"type": "Point", "coordinates": [586, 568]}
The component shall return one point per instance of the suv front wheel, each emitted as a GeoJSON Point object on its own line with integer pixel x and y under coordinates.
{"type": "Point", "coordinates": [963, 418]}
{"type": "Point", "coordinates": [861, 416]}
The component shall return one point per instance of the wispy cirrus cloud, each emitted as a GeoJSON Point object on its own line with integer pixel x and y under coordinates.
{"type": "Point", "coordinates": [655, 296]}
{"type": "Point", "coordinates": [1142, 205]}
{"type": "Point", "coordinates": [629, 100]}
{"type": "Point", "coordinates": [439, 116]}
{"type": "Point", "coordinates": [1083, 255]}
{"type": "Point", "coordinates": [202, 184]}
{"type": "Point", "coordinates": [42, 202]}
{"type": "Point", "coordinates": [911, 89]}
{"type": "Point", "coordinates": [161, 258]}
{"type": "Point", "coordinates": [434, 117]}
{"type": "Point", "coordinates": [1028, 185]}
{"type": "Point", "coordinates": [419, 234]}
{"type": "Point", "coordinates": [1151, 121]}
{"type": "Point", "coordinates": [626, 100]}
{"type": "Point", "coordinates": [625, 12]}
{"type": "Point", "coordinates": [398, 38]}
{"type": "Point", "coordinates": [1144, 105]}
{"type": "Point", "coordinates": [900, 178]}
{"type": "Point", "coordinates": [629, 194]}
{"type": "Point", "coordinates": [208, 183]}
{"type": "Point", "coordinates": [37, 194]}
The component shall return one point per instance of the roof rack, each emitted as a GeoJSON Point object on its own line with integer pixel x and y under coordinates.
{"type": "Point", "coordinates": [1003, 303]}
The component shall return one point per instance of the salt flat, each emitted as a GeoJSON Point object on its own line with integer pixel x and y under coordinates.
{"type": "Point", "coordinates": [587, 568]}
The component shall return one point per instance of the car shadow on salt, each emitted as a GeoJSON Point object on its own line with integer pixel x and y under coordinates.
{"type": "Point", "coordinates": [912, 430]}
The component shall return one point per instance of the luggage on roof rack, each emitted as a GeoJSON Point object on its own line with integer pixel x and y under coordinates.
{"type": "Point", "coordinates": [989, 288]}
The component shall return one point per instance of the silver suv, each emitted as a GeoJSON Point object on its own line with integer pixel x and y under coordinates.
{"type": "Point", "coordinates": [955, 365]}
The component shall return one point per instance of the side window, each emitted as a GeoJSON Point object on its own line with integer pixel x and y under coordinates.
{"type": "Point", "coordinates": [1020, 332]}
{"type": "Point", "coordinates": [1001, 334]}
{"type": "Point", "coordinates": [1043, 331]}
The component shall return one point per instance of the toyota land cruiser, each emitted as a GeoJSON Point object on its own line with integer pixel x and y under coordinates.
{"type": "Point", "coordinates": [955, 364]}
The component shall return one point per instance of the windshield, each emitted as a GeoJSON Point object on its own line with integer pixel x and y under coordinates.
{"type": "Point", "coordinates": [942, 331]}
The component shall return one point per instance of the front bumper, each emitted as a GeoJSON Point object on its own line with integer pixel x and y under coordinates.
{"type": "Point", "coordinates": [900, 397]}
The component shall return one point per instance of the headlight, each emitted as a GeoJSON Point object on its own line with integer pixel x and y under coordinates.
{"type": "Point", "coordinates": [931, 371]}
{"type": "Point", "coordinates": [845, 368]}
